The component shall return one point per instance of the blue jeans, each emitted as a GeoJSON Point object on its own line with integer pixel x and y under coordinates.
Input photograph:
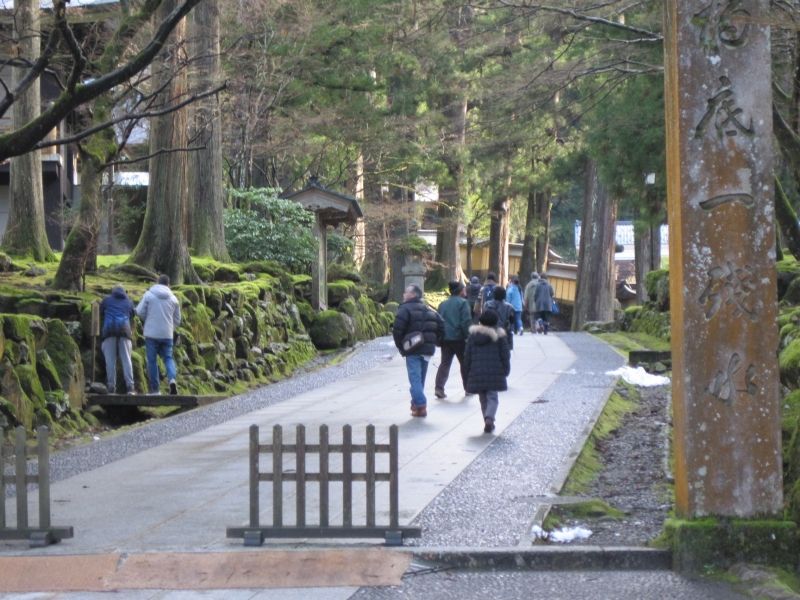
{"type": "Point", "coordinates": [153, 349]}
{"type": "Point", "coordinates": [417, 367]}
{"type": "Point", "coordinates": [518, 321]}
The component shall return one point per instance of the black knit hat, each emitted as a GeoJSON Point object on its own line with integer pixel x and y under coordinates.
{"type": "Point", "coordinates": [489, 318]}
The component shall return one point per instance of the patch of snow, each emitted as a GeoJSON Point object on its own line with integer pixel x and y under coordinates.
{"type": "Point", "coordinates": [562, 536]}
{"type": "Point", "coordinates": [638, 376]}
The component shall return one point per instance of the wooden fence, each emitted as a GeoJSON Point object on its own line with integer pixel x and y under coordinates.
{"type": "Point", "coordinates": [45, 533]}
{"type": "Point", "coordinates": [255, 533]}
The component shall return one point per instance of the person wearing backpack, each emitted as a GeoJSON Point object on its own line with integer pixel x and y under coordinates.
{"type": "Point", "coordinates": [116, 318]}
{"type": "Point", "coordinates": [505, 312]}
{"type": "Point", "coordinates": [486, 294]}
{"type": "Point", "coordinates": [161, 313]}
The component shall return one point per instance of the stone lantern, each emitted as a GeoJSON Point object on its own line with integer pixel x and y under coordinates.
{"type": "Point", "coordinates": [329, 208]}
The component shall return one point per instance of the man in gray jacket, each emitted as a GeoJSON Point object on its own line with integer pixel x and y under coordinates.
{"type": "Point", "coordinates": [161, 313]}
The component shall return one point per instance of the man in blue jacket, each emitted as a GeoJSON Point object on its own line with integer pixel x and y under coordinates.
{"type": "Point", "coordinates": [161, 313]}
{"type": "Point", "coordinates": [415, 320]}
{"type": "Point", "coordinates": [457, 319]}
{"type": "Point", "coordinates": [116, 318]}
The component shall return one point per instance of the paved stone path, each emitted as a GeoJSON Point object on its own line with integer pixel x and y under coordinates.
{"type": "Point", "coordinates": [464, 487]}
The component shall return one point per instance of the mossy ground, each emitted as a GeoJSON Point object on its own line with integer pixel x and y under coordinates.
{"type": "Point", "coordinates": [588, 462]}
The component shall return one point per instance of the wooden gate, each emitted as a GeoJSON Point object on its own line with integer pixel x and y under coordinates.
{"type": "Point", "coordinates": [255, 533]}
{"type": "Point", "coordinates": [44, 534]}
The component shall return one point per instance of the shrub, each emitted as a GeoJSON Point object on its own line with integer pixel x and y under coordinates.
{"type": "Point", "coordinates": [265, 227]}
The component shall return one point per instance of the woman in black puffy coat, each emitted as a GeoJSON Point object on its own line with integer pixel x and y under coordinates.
{"type": "Point", "coordinates": [487, 362]}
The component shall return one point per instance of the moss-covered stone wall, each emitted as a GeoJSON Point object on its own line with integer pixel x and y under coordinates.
{"type": "Point", "coordinates": [248, 328]}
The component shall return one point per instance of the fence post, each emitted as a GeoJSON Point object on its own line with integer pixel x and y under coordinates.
{"type": "Point", "coordinates": [323, 476]}
{"type": "Point", "coordinates": [43, 478]}
{"type": "Point", "coordinates": [300, 481]}
{"type": "Point", "coordinates": [255, 507]}
{"type": "Point", "coordinates": [394, 477]}
{"type": "Point", "coordinates": [347, 476]}
{"type": "Point", "coordinates": [21, 482]}
{"type": "Point", "coordinates": [277, 476]}
{"type": "Point", "coordinates": [370, 476]}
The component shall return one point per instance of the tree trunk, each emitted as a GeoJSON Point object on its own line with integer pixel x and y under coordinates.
{"type": "Point", "coordinates": [642, 247]}
{"type": "Point", "coordinates": [25, 233]}
{"type": "Point", "coordinates": [470, 246]}
{"type": "Point", "coordinates": [162, 244]}
{"type": "Point", "coordinates": [594, 299]}
{"type": "Point", "coordinates": [80, 248]}
{"type": "Point", "coordinates": [207, 233]}
{"type": "Point", "coordinates": [376, 236]}
{"type": "Point", "coordinates": [399, 229]}
{"type": "Point", "coordinates": [450, 201]}
{"type": "Point", "coordinates": [543, 205]}
{"type": "Point", "coordinates": [498, 238]}
{"type": "Point", "coordinates": [527, 262]}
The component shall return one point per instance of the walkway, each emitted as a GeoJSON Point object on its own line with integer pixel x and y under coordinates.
{"type": "Point", "coordinates": [464, 487]}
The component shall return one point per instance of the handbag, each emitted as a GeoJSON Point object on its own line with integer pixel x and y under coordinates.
{"type": "Point", "coordinates": [412, 341]}
{"type": "Point", "coordinates": [554, 308]}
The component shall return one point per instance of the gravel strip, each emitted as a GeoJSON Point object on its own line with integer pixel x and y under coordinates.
{"type": "Point", "coordinates": [493, 501]}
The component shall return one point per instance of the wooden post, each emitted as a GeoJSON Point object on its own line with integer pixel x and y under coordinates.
{"type": "Point", "coordinates": [722, 259]}
{"type": "Point", "coordinates": [95, 334]}
{"type": "Point", "coordinates": [324, 497]}
{"type": "Point", "coordinates": [255, 459]}
{"type": "Point", "coordinates": [277, 476]}
{"type": "Point", "coordinates": [347, 476]}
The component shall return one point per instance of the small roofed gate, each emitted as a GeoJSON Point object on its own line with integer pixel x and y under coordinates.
{"type": "Point", "coordinates": [330, 209]}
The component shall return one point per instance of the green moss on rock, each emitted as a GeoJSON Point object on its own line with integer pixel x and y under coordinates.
{"type": "Point", "coordinates": [699, 544]}
{"type": "Point", "coordinates": [332, 329]}
{"type": "Point", "coordinates": [66, 357]}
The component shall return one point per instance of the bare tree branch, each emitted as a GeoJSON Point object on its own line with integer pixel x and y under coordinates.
{"type": "Point", "coordinates": [128, 117]}
{"type": "Point", "coordinates": [25, 138]}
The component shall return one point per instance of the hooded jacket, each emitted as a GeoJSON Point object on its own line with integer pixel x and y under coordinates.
{"type": "Point", "coordinates": [116, 313]}
{"type": "Point", "coordinates": [543, 296]}
{"type": "Point", "coordinates": [487, 359]}
{"type": "Point", "coordinates": [160, 311]}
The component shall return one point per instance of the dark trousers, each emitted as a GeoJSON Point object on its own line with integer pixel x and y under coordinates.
{"type": "Point", "coordinates": [451, 348]}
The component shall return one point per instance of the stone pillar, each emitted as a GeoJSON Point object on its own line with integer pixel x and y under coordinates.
{"type": "Point", "coordinates": [722, 252]}
{"type": "Point", "coordinates": [414, 273]}
{"type": "Point", "coordinates": [319, 268]}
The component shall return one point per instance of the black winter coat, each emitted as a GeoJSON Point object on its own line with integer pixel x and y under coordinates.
{"type": "Point", "coordinates": [415, 315]}
{"type": "Point", "coordinates": [487, 360]}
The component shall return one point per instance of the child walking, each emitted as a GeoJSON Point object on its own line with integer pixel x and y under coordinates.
{"type": "Point", "coordinates": [487, 362]}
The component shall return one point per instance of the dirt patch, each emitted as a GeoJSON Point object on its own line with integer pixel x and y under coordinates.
{"type": "Point", "coordinates": [635, 476]}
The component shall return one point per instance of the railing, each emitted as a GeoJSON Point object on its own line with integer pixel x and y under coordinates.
{"type": "Point", "coordinates": [44, 534]}
{"type": "Point", "coordinates": [255, 533]}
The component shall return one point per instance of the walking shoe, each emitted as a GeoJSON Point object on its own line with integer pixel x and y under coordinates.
{"type": "Point", "coordinates": [488, 425]}
{"type": "Point", "coordinates": [173, 388]}
{"type": "Point", "coordinates": [419, 411]}
{"type": "Point", "coordinates": [156, 393]}
{"type": "Point", "coordinates": [439, 393]}
{"type": "Point", "coordinates": [131, 392]}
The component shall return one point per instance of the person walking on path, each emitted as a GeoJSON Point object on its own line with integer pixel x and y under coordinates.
{"type": "Point", "coordinates": [505, 313]}
{"type": "Point", "coordinates": [487, 359]}
{"type": "Point", "coordinates": [116, 316]}
{"type": "Point", "coordinates": [528, 301]}
{"type": "Point", "coordinates": [457, 319]}
{"type": "Point", "coordinates": [161, 313]}
{"type": "Point", "coordinates": [473, 293]}
{"type": "Point", "coordinates": [514, 298]}
{"type": "Point", "coordinates": [417, 331]}
{"type": "Point", "coordinates": [543, 299]}
{"type": "Point", "coordinates": [486, 293]}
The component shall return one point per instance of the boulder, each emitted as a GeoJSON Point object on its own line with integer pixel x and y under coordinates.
{"type": "Point", "coordinates": [332, 329]}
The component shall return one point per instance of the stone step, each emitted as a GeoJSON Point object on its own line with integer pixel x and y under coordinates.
{"type": "Point", "coordinates": [187, 401]}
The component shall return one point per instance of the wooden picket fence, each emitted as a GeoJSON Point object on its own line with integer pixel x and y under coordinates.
{"type": "Point", "coordinates": [255, 533]}
{"type": "Point", "coordinates": [44, 533]}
